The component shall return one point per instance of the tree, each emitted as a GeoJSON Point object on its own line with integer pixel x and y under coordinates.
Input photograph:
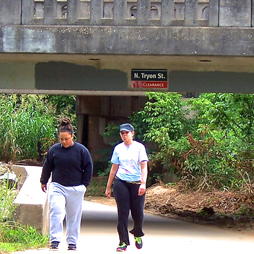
{"type": "Point", "coordinates": [211, 149]}
{"type": "Point", "coordinates": [161, 124]}
{"type": "Point", "coordinates": [163, 112]}
{"type": "Point", "coordinates": [231, 112]}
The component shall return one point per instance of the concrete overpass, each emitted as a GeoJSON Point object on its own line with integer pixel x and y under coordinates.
{"type": "Point", "coordinates": [110, 52]}
{"type": "Point", "coordinates": [90, 47]}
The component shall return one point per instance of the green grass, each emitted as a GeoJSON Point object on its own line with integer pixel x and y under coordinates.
{"type": "Point", "coordinates": [15, 237]}
{"type": "Point", "coordinates": [97, 186]}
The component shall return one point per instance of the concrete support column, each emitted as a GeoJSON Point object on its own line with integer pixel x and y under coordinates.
{"type": "Point", "coordinates": [80, 119]}
{"type": "Point", "coordinates": [80, 126]}
{"type": "Point", "coordinates": [190, 13]}
{"type": "Point", "coordinates": [73, 11]}
{"type": "Point", "coordinates": [119, 12]}
{"type": "Point", "coordinates": [27, 11]}
{"type": "Point", "coordinates": [96, 12]}
{"type": "Point", "coordinates": [143, 12]}
{"type": "Point", "coordinates": [49, 11]}
{"type": "Point", "coordinates": [214, 13]}
{"type": "Point", "coordinates": [167, 12]}
{"type": "Point", "coordinates": [95, 140]}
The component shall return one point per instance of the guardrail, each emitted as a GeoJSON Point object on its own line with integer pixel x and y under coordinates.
{"type": "Point", "coordinates": [127, 12]}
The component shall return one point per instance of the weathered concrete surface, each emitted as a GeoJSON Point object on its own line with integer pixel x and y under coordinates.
{"type": "Point", "coordinates": [10, 12]}
{"type": "Point", "coordinates": [21, 175]}
{"type": "Point", "coordinates": [235, 13]}
{"type": "Point", "coordinates": [31, 201]}
{"type": "Point", "coordinates": [227, 41]}
{"type": "Point", "coordinates": [121, 12]}
{"type": "Point", "coordinates": [111, 75]}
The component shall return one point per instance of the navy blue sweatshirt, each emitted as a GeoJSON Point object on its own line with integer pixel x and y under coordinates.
{"type": "Point", "coordinates": [70, 166]}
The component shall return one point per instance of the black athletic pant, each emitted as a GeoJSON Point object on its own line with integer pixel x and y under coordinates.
{"type": "Point", "coordinates": [127, 199]}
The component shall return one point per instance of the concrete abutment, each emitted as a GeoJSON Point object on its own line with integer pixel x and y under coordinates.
{"type": "Point", "coordinates": [31, 201]}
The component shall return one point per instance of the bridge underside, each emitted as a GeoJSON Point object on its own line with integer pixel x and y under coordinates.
{"type": "Point", "coordinates": [101, 74]}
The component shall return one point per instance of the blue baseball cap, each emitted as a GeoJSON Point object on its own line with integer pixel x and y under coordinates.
{"type": "Point", "coordinates": [126, 127]}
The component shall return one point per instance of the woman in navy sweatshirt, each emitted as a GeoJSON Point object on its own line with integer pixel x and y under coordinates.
{"type": "Point", "coordinates": [70, 165]}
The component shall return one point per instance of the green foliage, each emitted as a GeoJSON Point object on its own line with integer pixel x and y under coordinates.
{"type": "Point", "coordinates": [112, 134]}
{"type": "Point", "coordinates": [7, 196]}
{"type": "Point", "coordinates": [228, 120]}
{"type": "Point", "coordinates": [113, 138]}
{"type": "Point", "coordinates": [106, 168]}
{"type": "Point", "coordinates": [207, 164]}
{"type": "Point", "coordinates": [15, 237]}
{"type": "Point", "coordinates": [64, 106]}
{"type": "Point", "coordinates": [212, 149]}
{"type": "Point", "coordinates": [208, 142]}
{"type": "Point", "coordinates": [162, 113]}
{"type": "Point", "coordinates": [231, 112]}
{"type": "Point", "coordinates": [163, 121]}
{"type": "Point", "coordinates": [27, 129]}
{"type": "Point", "coordinates": [97, 186]}
{"type": "Point", "coordinates": [26, 123]}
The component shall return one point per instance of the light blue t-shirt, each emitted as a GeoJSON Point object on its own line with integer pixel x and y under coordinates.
{"type": "Point", "coordinates": [129, 158]}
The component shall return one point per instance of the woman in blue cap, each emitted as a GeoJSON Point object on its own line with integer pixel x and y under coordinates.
{"type": "Point", "coordinates": [128, 175]}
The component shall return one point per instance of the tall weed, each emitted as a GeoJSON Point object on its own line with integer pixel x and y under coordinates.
{"type": "Point", "coordinates": [26, 127]}
{"type": "Point", "coordinates": [8, 193]}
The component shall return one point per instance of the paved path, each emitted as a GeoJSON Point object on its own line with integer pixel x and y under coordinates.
{"type": "Point", "coordinates": [98, 234]}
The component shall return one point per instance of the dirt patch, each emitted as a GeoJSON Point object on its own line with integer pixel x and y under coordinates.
{"type": "Point", "coordinates": [223, 209]}
{"type": "Point", "coordinates": [101, 200]}
{"type": "Point", "coordinates": [227, 210]}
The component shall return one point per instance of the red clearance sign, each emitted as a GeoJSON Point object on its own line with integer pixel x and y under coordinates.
{"type": "Point", "coordinates": [150, 78]}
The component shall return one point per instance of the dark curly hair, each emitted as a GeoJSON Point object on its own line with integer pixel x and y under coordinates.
{"type": "Point", "coordinates": [65, 126]}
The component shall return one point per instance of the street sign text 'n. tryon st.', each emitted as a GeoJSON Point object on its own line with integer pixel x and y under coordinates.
{"type": "Point", "coordinates": [149, 78]}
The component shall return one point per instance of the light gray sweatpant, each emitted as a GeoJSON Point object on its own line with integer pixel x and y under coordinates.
{"type": "Point", "coordinates": [65, 202]}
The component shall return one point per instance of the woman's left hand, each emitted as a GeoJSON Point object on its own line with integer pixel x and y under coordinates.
{"type": "Point", "coordinates": [142, 189]}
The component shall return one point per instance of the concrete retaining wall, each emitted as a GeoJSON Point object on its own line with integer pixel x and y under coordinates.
{"type": "Point", "coordinates": [32, 205]}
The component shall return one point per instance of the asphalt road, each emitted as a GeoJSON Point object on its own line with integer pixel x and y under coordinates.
{"type": "Point", "coordinates": [99, 235]}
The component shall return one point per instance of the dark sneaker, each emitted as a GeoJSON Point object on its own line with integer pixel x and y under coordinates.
{"type": "Point", "coordinates": [54, 245]}
{"type": "Point", "coordinates": [122, 247]}
{"type": "Point", "coordinates": [72, 247]}
{"type": "Point", "coordinates": [138, 242]}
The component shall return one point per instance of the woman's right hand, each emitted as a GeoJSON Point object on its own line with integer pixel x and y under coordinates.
{"type": "Point", "coordinates": [44, 187]}
{"type": "Point", "coordinates": [111, 178]}
{"type": "Point", "coordinates": [108, 192]}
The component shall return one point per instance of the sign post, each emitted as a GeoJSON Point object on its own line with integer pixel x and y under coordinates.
{"type": "Point", "coordinates": [149, 78]}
